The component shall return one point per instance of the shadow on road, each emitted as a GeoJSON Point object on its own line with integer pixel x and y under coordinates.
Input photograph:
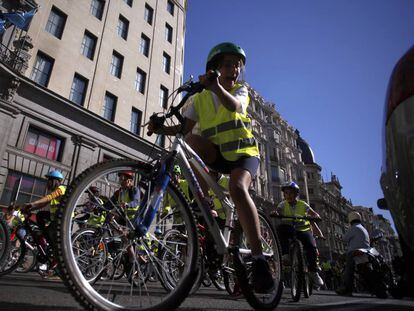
{"type": "Point", "coordinates": [15, 306]}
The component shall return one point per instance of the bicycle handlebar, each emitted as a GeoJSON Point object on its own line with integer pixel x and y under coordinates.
{"type": "Point", "coordinates": [296, 217]}
{"type": "Point", "coordinates": [191, 88]}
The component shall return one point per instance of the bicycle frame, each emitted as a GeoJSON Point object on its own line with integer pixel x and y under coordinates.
{"type": "Point", "coordinates": [186, 155]}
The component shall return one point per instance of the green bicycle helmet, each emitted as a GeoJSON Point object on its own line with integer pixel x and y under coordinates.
{"type": "Point", "coordinates": [223, 48]}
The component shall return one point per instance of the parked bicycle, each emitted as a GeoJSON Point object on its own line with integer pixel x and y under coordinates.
{"type": "Point", "coordinates": [154, 182]}
{"type": "Point", "coordinates": [300, 280]}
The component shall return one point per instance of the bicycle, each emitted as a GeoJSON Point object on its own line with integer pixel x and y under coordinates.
{"type": "Point", "coordinates": [154, 180]}
{"type": "Point", "coordinates": [4, 241]}
{"type": "Point", "coordinates": [28, 247]}
{"type": "Point", "coordinates": [299, 273]}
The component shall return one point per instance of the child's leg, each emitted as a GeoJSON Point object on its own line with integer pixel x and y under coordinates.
{"type": "Point", "coordinates": [206, 150]}
{"type": "Point", "coordinates": [240, 180]}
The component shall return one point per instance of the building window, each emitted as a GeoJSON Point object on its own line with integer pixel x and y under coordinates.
{"type": "Point", "coordinates": [166, 62]}
{"type": "Point", "coordinates": [97, 8]}
{"type": "Point", "coordinates": [88, 45]}
{"type": "Point", "coordinates": [144, 45]}
{"type": "Point", "coordinates": [170, 7]}
{"type": "Point", "coordinates": [163, 97]}
{"type": "Point", "coordinates": [116, 64]}
{"type": "Point", "coordinates": [31, 188]}
{"type": "Point", "coordinates": [43, 144]}
{"type": "Point", "coordinates": [108, 111]}
{"type": "Point", "coordinates": [160, 141]}
{"type": "Point", "coordinates": [122, 28]}
{"type": "Point", "coordinates": [42, 69]}
{"type": "Point", "coordinates": [168, 32]}
{"type": "Point", "coordinates": [140, 80]}
{"type": "Point", "coordinates": [129, 2]}
{"type": "Point", "coordinates": [78, 89]}
{"type": "Point", "coordinates": [136, 116]}
{"type": "Point", "coordinates": [56, 22]}
{"type": "Point", "coordinates": [148, 14]}
{"type": "Point", "coordinates": [275, 173]}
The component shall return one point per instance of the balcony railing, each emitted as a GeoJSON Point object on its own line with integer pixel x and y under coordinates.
{"type": "Point", "coordinates": [11, 59]}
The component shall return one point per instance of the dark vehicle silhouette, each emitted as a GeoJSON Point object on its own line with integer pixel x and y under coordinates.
{"type": "Point", "coordinates": [397, 173]}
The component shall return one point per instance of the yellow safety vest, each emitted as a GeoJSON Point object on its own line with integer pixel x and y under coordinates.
{"type": "Point", "coordinates": [230, 130]}
{"type": "Point", "coordinates": [169, 203]}
{"type": "Point", "coordinates": [54, 203]}
{"type": "Point", "coordinates": [125, 198]}
{"type": "Point", "coordinates": [300, 211]}
{"type": "Point", "coordinates": [218, 207]}
{"type": "Point", "coordinates": [95, 220]}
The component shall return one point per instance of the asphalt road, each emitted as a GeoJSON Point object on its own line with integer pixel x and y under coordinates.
{"type": "Point", "coordinates": [29, 292]}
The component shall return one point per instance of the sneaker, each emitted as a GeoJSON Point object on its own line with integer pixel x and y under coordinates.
{"type": "Point", "coordinates": [262, 277]}
{"type": "Point", "coordinates": [316, 279]}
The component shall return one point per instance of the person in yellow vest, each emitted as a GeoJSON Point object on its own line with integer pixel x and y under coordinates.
{"type": "Point", "coordinates": [127, 196]}
{"type": "Point", "coordinates": [46, 218]}
{"type": "Point", "coordinates": [168, 201]}
{"type": "Point", "coordinates": [292, 206]}
{"type": "Point", "coordinates": [226, 142]}
{"type": "Point", "coordinates": [223, 181]}
{"type": "Point", "coordinates": [94, 207]}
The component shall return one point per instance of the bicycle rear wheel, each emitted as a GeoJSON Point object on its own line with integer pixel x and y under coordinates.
{"type": "Point", "coordinates": [131, 293]}
{"type": "Point", "coordinates": [271, 251]}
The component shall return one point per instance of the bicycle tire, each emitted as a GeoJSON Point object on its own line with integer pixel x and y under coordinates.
{"type": "Point", "coordinates": [297, 274]}
{"type": "Point", "coordinates": [123, 296]}
{"type": "Point", "coordinates": [218, 280]}
{"type": "Point", "coordinates": [4, 241]}
{"type": "Point", "coordinates": [17, 253]}
{"type": "Point", "coordinates": [307, 284]}
{"type": "Point", "coordinates": [230, 278]}
{"type": "Point", "coordinates": [91, 253]}
{"type": "Point", "coordinates": [29, 262]}
{"type": "Point", "coordinates": [271, 251]}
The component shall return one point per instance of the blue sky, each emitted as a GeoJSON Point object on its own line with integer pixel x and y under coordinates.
{"type": "Point", "coordinates": [324, 63]}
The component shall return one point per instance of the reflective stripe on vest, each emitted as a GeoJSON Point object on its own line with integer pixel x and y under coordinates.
{"type": "Point", "coordinates": [124, 198]}
{"type": "Point", "coordinates": [54, 203]}
{"type": "Point", "coordinates": [299, 211]}
{"type": "Point", "coordinates": [230, 130]}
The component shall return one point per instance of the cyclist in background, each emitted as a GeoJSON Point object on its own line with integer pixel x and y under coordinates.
{"type": "Point", "coordinates": [127, 196]}
{"type": "Point", "coordinates": [292, 206]}
{"type": "Point", "coordinates": [226, 143]}
{"type": "Point", "coordinates": [46, 217]}
{"type": "Point", "coordinates": [356, 237]}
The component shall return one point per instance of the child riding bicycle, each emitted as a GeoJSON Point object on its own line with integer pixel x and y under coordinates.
{"type": "Point", "coordinates": [292, 206]}
{"type": "Point", "coordinates": [226, 143]}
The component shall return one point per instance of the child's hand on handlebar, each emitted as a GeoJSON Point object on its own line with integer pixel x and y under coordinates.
{"type": "Point", "coordinates": [210, 79]}
{"type": "Point", "coordinates": [155, 125]}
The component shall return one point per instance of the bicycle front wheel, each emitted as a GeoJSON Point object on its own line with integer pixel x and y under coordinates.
{"type": "Point", "coordinates": [4, 241]}
{"type": "Point", "coordinates": [297, 273]}
{"type": "Point", "coordinates": [124, 247]}
{"type": "Point", "coordinates": [271, 252]}
{"type": "Point", "coordinates": [16, 254]}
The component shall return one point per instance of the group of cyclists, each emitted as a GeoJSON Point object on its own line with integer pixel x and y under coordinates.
{"type": "Point", "coordinates": [226, 143]}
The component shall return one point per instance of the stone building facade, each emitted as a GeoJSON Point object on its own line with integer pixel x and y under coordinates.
{"type": "Point", "coordinates": [77, 86]}
{"type": "Point", "coordinates": [280, 157]}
